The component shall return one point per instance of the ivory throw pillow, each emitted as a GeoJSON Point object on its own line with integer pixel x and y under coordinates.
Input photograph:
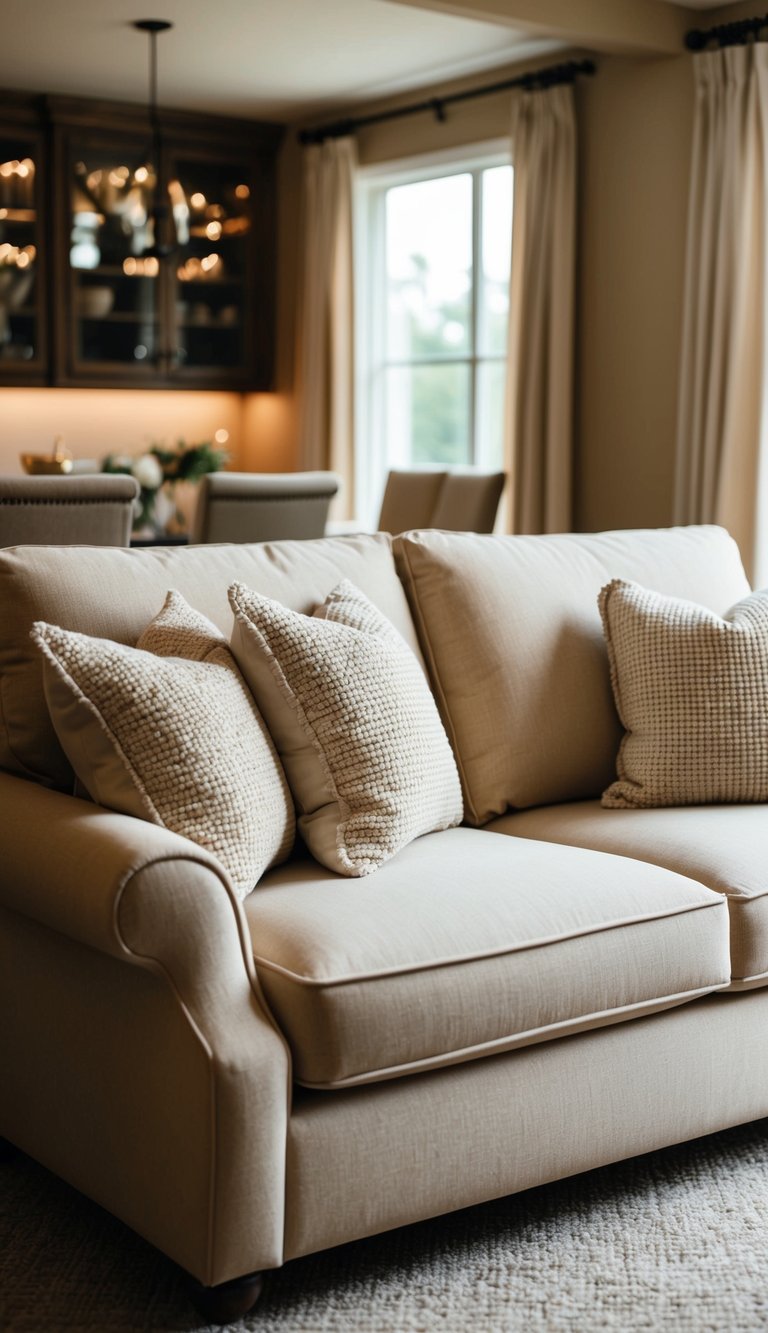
{"type": "Point", "coordinates": [172, 736]}
{"type": "Point", "coordinates": [354, 723]}
{"type": "Point", "coordinates": [691, 689]}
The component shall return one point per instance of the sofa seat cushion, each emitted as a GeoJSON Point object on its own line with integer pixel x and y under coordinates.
{"type": "Point", "coordinates": [466, 944]}
{"type": "Point", "coordinates": [721, 846]}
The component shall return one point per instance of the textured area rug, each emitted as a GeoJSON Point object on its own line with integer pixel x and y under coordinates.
{"type": "Point", "coordinates": [677, 1240]}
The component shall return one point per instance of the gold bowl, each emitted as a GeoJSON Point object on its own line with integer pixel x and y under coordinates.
{"type": "Point", "coordinates": [43, 465]}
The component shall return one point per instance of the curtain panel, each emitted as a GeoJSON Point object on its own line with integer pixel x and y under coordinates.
{"type": "Point", "coordinates": [539, 408]}
{"type": "Point", "coordinates": [326, 329]}
{"type": "Point", "coordinates": [721, 431]}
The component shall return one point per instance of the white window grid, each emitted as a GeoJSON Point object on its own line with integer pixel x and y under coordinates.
{"type": "Point", "coordinates": [371, 359]}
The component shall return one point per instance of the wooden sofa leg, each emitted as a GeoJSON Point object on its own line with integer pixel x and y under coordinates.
{"type": "Point", "coordinates": [229, 1300]}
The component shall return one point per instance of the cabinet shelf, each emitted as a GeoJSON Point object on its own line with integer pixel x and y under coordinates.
{"type": "Point", "coordinates": [118, 317]}
{"type": "Point", "coordinates": [114, 271]}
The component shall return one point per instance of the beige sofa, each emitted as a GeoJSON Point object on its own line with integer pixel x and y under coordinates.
{"type": "Point", "coordinates": [247, 1083]}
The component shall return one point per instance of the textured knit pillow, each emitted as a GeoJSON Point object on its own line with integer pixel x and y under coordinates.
{"type": "Point", "coordinates": [354, 722]}
{"type": "Point", "coordinates": [691, 690]}
{"type": "Point", "coordinates": [176, 740]}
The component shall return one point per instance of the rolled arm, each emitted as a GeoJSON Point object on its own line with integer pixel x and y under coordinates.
{"type": "Point", "coordinates": [152, 899]}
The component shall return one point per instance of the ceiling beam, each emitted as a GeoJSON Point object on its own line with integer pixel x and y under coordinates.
{"type": "Point", "coordinates": [628, 27]}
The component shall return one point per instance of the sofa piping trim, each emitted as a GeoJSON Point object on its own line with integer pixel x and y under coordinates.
{"type": "Point", "coordinates": [717, 901]}
{"type": "Point", "coordinates": [534, 1036]}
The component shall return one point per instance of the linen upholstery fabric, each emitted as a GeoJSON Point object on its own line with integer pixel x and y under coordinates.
{"type": "Point", "coordinates": [140, 1061]}
{"type": "Point", "coordinates": [511, 631]}
{"type": "Point", "coordinates": [65, 586]}
{"type": "Point", "coordinates": [523, 1119]}
{"type": "Point", "coordinates": [411, 969]}
{"type": "Point", "coordinates": [721, 846]}
{"type": "Point", "coordinates": [354, 722]}
{"type": "Point", "coordinates": [691, 689]}
{"type": "Point", "coordinates": [173, 741]}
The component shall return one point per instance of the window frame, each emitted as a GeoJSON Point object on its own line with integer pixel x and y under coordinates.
{"type": "Point", "coordinates": [371, 360]}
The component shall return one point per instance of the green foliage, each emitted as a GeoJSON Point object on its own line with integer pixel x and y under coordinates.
{"type": "Point", "coordinates": [189, 462]}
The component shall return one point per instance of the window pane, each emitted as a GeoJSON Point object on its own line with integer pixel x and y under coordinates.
{"type": "Point", "coordinates": [489, 440]}
{"type": "Point", "coordinates": [497, 246]}
{"type": "Point", "coordinates": [429, 267]}
{"type": "Point", "coordinates": [427, 415]}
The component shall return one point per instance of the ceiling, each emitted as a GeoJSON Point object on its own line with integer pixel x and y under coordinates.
{"type": "Point", "coordinates": [275, 59]}
{"type": "Point", "coordinates": [287, 60]}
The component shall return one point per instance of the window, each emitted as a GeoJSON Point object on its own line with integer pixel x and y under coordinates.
{"type": "Point", "coordinates": [433, 258]}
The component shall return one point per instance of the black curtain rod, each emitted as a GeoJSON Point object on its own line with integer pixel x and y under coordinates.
{"type": "Point", "coordinates": [725, 34]}
{"type": "Point", "coordinates": [531, 82]}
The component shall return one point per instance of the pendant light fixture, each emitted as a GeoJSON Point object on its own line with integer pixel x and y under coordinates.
{"type": "Point", "coordinates": [164, 238]}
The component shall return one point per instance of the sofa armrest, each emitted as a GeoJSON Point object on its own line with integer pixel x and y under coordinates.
{"type": "Point", "coordinates": [154, 901]}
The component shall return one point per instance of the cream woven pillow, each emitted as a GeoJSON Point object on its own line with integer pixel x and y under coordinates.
{"type": "Point", "coordinates": [354, 723]}
{"type": "Point", "coordinates": [691, 690]}
{"type": "Point", "coordinates": [173, 739]}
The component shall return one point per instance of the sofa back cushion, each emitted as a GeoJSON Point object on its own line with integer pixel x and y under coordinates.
{"type": "Point", "coordinates": [112, 593]}
{"type": "Point", "coordinates": [511, 632]}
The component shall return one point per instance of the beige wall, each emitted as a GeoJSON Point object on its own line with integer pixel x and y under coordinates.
{"type": "Point", "coordinates": [95, 422]}
{"type": "Point", "coordinates": [635, 145]}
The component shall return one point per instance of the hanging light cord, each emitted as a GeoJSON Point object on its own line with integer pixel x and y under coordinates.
{"type": "Point", "coordinates": [160, 209]}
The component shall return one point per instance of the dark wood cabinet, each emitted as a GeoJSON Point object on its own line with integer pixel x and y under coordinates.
{"type": "Point", "coordinates": [24, 344]}
{"type": "Point", "coordinates": [119, 313]}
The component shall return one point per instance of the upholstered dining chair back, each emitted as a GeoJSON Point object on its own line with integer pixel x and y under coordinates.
{"type": "Point", "coordinates": [409, 500]}
{"type": "Point", "coordinates": [66, 511]}
{"type": "Point", "coordinates": [468, 501]}
{"type": "Point", "coordinates": [456, 501]}
{"type": "Point", "coordinates": [263, 506]}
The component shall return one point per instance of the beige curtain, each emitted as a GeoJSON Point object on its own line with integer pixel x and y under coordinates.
{"type": "Point", "coordinates": [326, 334]}
{"type": "Point", "coordinates": [721, 451]}
{"type": "Point", "coordinates": [539, 417]}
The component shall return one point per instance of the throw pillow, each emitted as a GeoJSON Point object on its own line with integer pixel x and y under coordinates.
{"type": "Point", "coordinates": [354, 722]}
{"type": "Point", "coordinates": [691, 689]}
{"type": "Point", "coordinates": [172, 736]}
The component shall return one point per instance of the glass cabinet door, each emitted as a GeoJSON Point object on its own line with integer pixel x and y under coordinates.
{"type": "Point", "coordinates": [22, 294]}
{"type": "Point", "coordinates": [211, 275]}
{"type": "Point", "coordinates": [115, 297]}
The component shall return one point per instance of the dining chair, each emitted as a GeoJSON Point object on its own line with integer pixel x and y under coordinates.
{"type": "Point", "coordinates": [66, 511]}
{"type": "Point", "coordinates": [460, 500]}
{"type": "Point", "coordinates": [263, 506]}
{"type": "Point", "coordinates": [409, 499]}
{"type": "Point", "coordinates": [468, 501]}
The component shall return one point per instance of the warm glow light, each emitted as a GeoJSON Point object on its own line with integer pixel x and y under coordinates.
{"type": "Point", "coordinates": [242, 192]}
{"type": "Point", "coordinates": [141, 268]}
{"type": "Point", "coordinates": [141, 175]}
{"type": "Point", "coordinates": [23, 170]}
{"type": "Point", "coordinates": [221, 436]}
{"type": "Point", "coordinates": [22, 260]}
{"type": "Point", "coordinates": [93, 180]}
{"type": "Point", "coordinates": [213, 231]}
{"type": "Point", "coordinates": [6, 169]}
{"type": "Point", "coordinates": [209, 262]}
{"type": "Point", "coordinates": [197, 200]}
